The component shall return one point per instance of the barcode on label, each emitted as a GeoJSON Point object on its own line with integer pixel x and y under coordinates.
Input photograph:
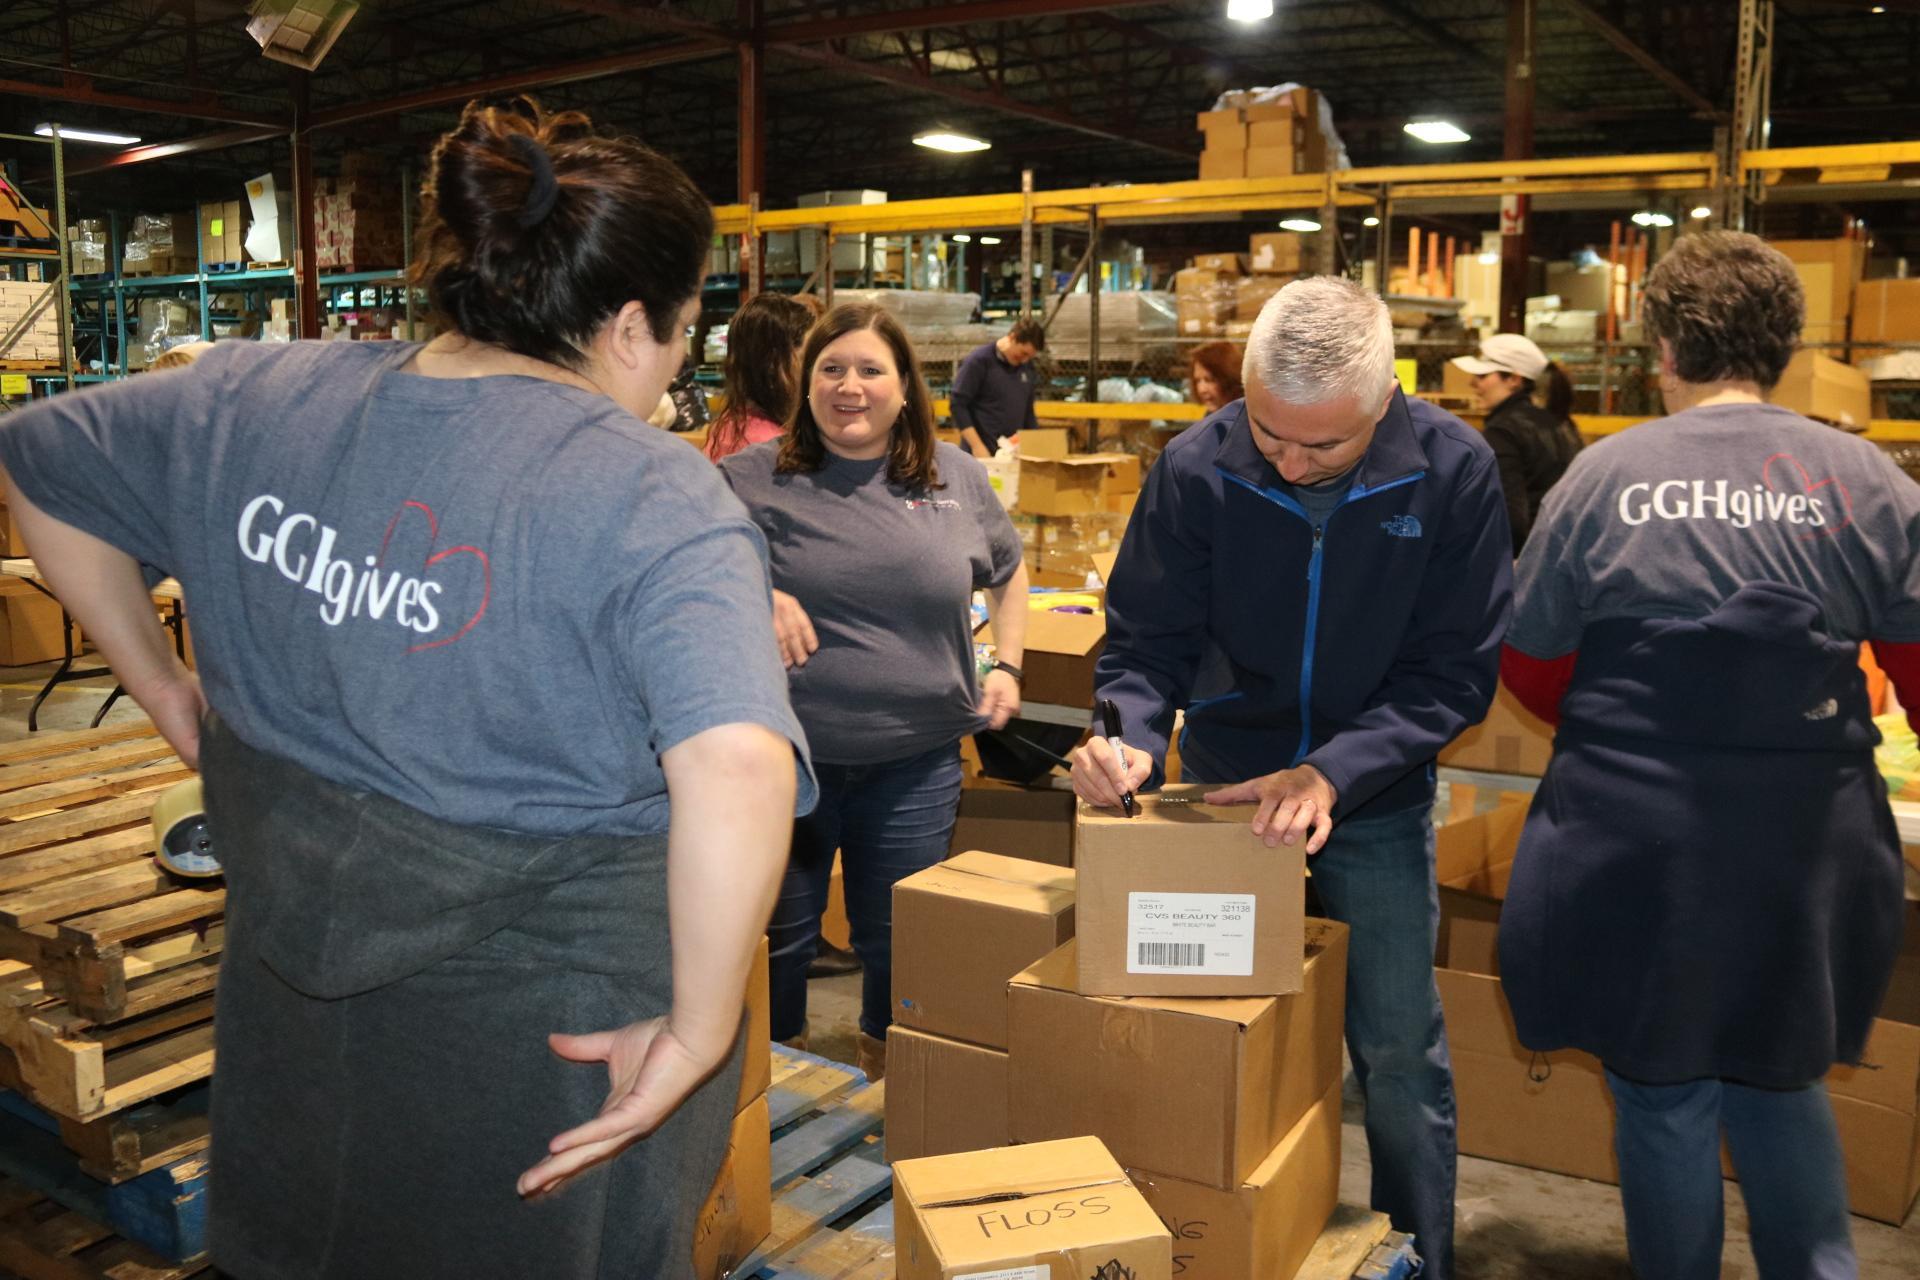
{"type": "Point", "coordinates": [1173, 955]}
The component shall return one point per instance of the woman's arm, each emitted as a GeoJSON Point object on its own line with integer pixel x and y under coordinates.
{"type": "Point", "coordinates": [102, 588]}
{"type": "Point", "coordinates": [1007, 611]}
{"type": "Point", "coordinates": [732, 791]}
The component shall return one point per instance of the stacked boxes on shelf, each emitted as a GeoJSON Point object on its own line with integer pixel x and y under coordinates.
{"type": "Point", "coordinates": [1220, 294]}
{"type": "Point", "coordinates": [223, 233]}
{"type": "Point", "coordinates": [1262, 134]}
{"type": "Point", "coordinates": [357, 218]}
{"type": "Point", "coordinates": [160, 245]}
{"type": "Point", "coordinates": [31, 308]}
{"type": "Point", "coordinates": [87, 246]}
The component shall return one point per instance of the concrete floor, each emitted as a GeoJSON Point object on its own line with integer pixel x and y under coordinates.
{"type": "Point", "coordinates": [1514, 1224]}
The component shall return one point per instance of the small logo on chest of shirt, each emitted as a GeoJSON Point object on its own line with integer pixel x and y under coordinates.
{"type": "Point", "coordinates": [1402, 527]}
{"type": "Point", "coordinates": [934, 504]}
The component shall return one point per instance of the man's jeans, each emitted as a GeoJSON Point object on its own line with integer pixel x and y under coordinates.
{"type": "Point", "coordinates": [1792, 1176]}
{"type": "Point", "coordinates": [1375, 875]}
{"type": "Point", "coordinates": [888, 821]}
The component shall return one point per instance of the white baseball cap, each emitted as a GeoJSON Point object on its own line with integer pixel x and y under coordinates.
{"type": "Point", "coordinates": [1505, 353]}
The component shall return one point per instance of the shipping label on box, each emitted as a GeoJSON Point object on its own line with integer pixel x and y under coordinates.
{"type": "Point", "coordinates": [1198, 1089]}
{"type": "Point", "coordinates": [738, 1214]}
{"type": "Point", "coordinates": [1267, 1225]}
{"type": "Point", "coordinates": [1050, 1211]}
{"type": "Point", "coordinates": [962, 929]}
{"type": "Point", "coordinates": [1184, 899]}
{"type": "Point", "coordinates": [1276, 253]}
{"type": "Point", "coordinates": [943, 1095]}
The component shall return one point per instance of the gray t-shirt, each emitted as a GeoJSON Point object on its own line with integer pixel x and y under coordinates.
{"type": "Point", "coordinates": [497, 600]}
{"type": "Point", "coordinates": [1668, 519]}
{"type": "Point", "coordinates": [885, 575]}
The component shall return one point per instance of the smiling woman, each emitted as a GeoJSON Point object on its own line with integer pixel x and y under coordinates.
{"type": "Point", "coordinates": [878, 537]}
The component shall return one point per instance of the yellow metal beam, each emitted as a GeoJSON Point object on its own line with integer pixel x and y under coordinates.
{"type": "Point", "coordinates": [1570, 166]}
{"type": "Point", "coordinates": [1865, 153]}
{"type": "Point", "coordinates": [1084, 198]}
{"type": "Point", "coordinates": [1552, 186]}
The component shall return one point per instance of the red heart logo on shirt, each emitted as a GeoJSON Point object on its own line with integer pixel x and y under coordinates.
{"type": "Point", "coordinates": [1808, 487]}
{"type": "Point", "coordinates": [435, 557]}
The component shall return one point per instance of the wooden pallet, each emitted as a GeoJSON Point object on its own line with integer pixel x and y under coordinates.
{"type": "Point", "coordinates": [833, 1210]}
{"type": "Point", "coordinates": [124, 1145]}
{"type": "Point", "coordinates": [107, 962]}
{"type": "Point", "coordinates": [29, 366]}
{"type": "Point", "coordinates": [41, 1239]}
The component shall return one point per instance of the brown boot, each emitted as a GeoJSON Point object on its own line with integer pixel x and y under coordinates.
{"type": "Point", "coordinates": [873, 1058]}
{"type": "Point", "coordinates": [800, 1041]}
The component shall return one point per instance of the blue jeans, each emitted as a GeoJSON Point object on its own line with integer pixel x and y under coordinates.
{"type": "Point", "coordinates": [1375, 875]}
{"type": "Point", "coordinates": [1786, 1150]}
{"type": "Point", "coordinates": [888, 821]}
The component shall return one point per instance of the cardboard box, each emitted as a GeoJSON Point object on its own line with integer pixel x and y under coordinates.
{"type": "Point", "coordinates": [1268, 1224]}
{"type": "Point", "coordinates": [834, 925]}
{"type": "Point", "coordinates": [738, 1214]}
{"type": "Point", "coordinates": [1223, 130]}
{"type": "Point", "coordinates": [1253, 292]}
{"type": "Point", "coordinates": [223, 231]}
{"type": "Point", "coordinates": [1045, 442]}
{"type": "Point", "coordinates": [1220, 162]}
{"type": "Point", "coordinates": [1277, 253]}
{"type": "Point", "coordinates": [943, 1096]}
{"type": "Point", "coordinates": [1021, 822]}
{"type": "Point", "coordinates": [1822, 388]}
{"type": "Point", "coordinates": [1061, 651]}
{"type": "Point", "coordinates": [1582, 288]}
{"type": "Point", "coordinates": [1275, 162]}
{"type": "Point", "coordinates": [1197, 1089]}
{"type": "Point", "coordinates": [29, 625]}
{"type": "Point", "coordinates": [1055, 1209]}
{"type": "Point", "coordinates": [962, 929]}
{"type": "Point", "coordinates": [1183, 899]}
{"type": "Point", "coordinates": [1222, 264]}
{"type": "Point", "coordinates": [1885, 311]}
{"type": "Point", "coordinates": [756, 1075]}
{"type": "Point", "coordinates": [1510, 740]}
{"type": "Point", "coordinates": [1080, 484]}
{"type": "Point", "coordinates": [1828, 270]}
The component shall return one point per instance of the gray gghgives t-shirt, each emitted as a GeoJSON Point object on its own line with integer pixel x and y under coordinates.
{"type": "Point", "coordinates": [886, 576]}
{"type": "Point", "coordinates": [1669, 518]}
{"type": "Point", "coordinates": [498, 600]}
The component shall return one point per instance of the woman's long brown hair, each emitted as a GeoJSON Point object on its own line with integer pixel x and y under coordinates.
{"type": "Point", "coordinates": [910, 454]}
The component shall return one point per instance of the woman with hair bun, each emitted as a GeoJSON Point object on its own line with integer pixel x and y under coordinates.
{"type": "Point", "coordinates": [494, 733]}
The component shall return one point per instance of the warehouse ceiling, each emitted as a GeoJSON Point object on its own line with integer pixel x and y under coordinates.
{"type": "Point", "coordinates": [1080, 93]}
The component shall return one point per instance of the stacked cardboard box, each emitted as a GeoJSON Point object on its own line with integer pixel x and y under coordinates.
{"type": "Point", "coordinates": [1885, 311]}
{"type": "Point", "coordinates": [738, 1213]}
{"type": "Point", "coordinates": [87, 243]}
{"type": "Point", "coordinates": [962, 930]}
{"type": "Point", "coordinates": [223, 232]}
{"type": "Point", "coordinates": [1510, 740]}
{"type": "Point", "coordinates": [34, 308]}
{"type": "Point", "coordinates": [1062, 649]}
{"type": "Point", "coordinates": [1554, 1111]}
{"type": "Point", "coordinates": [1251, 135]}
{"type": "Point", "coordinates": [1214, 1076]}
{"type": "Point", "coordinates": [1023, 822]}
{"type": "Point", "coordinates": [1829, 271]}
{"type": "Point", "coordinates": [160, 245]}
{"type": "Point", "coordinates": [1206, 298]}
{"type": "Point", "coordinates": [357, 223]}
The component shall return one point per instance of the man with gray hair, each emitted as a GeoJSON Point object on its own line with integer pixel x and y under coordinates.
{"type": "Point", "coordinates": [1320, 575]}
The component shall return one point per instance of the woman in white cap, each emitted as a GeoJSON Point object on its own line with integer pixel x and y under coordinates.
{"type": "Point", "coordinates": [1532, 445]}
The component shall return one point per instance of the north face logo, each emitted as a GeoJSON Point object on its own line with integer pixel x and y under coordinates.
{"type": "Point", "coordinates": [1402, 527]}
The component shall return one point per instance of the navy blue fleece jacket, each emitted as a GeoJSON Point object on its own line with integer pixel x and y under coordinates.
{"type": "Point", "coordinates": [1361, 649]}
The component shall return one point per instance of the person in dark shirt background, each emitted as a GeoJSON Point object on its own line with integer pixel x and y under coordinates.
{"type": "Point", "coordinates": [1533, 445]}
{"type": "Point", "coordinates": [993, 389]}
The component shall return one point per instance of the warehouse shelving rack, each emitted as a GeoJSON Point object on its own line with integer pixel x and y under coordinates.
{"type": "Point", "coordinates": [53, 260]}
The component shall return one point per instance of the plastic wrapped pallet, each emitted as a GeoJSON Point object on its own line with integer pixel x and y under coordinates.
{"type": "Point", "coordinates": [1130, 321]}
{"type": "Point", "coordinates": [917, 309]}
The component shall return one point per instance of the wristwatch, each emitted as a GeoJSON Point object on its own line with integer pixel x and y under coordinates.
{"type": "Point", "coordinates": [1001, 664]}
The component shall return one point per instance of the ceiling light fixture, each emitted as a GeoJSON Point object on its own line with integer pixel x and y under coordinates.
{"type": "Point", "coordinates": [1369, 221]}
{"type": "Point", "coordinates": [1299, 224]}
{"type": "Point", "coordinates": [1249, 10]}
{"type": "Point", "coordinates": [949, 141]}
{"type": "Point", "coordinates": [1648, 218]}
{"type": "Point", "coordinates": [1702, 211]}
{"type": "Point", "coordinates": [1437, 131]}
{"type": "Point", "coordinates": [989, 239]}
{"type": "Point", "coordinates": [88, 135]}
{"type": "Point", "coordinates": [961, 238]}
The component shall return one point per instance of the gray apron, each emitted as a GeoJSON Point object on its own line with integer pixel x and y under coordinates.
{"type": "Point", "coordinates": [388, 985]}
